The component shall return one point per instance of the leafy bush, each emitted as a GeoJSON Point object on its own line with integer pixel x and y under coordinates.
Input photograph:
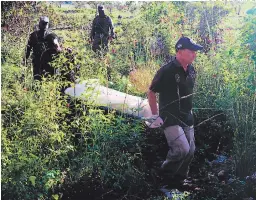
{"type": "Point", "coordinates": [50, 141]}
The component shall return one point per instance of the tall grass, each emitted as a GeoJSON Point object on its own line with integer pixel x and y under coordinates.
{"type": "Point", "coordinates": [40, 152]}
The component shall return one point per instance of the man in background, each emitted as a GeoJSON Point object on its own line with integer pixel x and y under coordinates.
{"type": "Point", "coordinates": [58, 63]}
{"type": "Point", "coordinates": [37, 44]}
{"type": "Point", "coordinates": [65, 68]}
{"type": "Point", "coordinates": [102, 31]}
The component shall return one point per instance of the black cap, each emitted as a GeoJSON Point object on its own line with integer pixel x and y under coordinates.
{"type": "Point", "coordinates": [187, 43]}
{"type": "Point", "coordinates": [44, 19]}
{"type": "Point", "coordinates": [100, 7]}
{"type": "Point", "coordinates": [50, 37]}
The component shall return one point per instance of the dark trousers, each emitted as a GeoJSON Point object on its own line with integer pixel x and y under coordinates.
{"type": "Point", "coordinates": [100, 42]}
{"type": "Point", "coordinates": [36, 69]}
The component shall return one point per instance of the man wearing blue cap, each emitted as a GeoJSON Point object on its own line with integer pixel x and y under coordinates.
{"type": "Point", "coordinates": [175, 82]}
{"type": "Point", "coordinates": [37, 44]}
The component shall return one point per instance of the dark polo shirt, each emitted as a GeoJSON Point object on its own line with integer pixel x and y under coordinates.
{"type": "Point", "coordinates": [175, 88]}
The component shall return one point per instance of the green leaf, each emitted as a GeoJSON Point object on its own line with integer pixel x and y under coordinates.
{"type": "Point", "coordinates": [32, 179]}
{"type": "Point", "coordinates": [55, 196]}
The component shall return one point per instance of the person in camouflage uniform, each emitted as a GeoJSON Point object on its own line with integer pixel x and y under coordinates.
{"type": "Point", "coordinates": [49, 55]}
{"type": "Point", "coordinates": [37, 44]}
{"type": "Point", "coordinates": [67, 70]}
{"type": "Point", "coordinates": [102, 30]}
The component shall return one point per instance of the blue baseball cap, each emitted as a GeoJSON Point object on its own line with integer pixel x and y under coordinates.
{"type": "Point", "coordinates": [187, 43]}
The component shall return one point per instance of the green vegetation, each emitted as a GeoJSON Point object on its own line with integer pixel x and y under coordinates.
{"type": "Point", "coordinates": [41, 155]}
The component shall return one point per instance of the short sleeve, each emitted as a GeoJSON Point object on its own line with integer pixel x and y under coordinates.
{"type": "Point", "coordinates": [157, 83]}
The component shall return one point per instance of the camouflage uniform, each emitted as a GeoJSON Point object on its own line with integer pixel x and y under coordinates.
{"type": "Point", "coordinates": [101, 26]}
{"type": "Point", "coordinates": [66, 71]}
{"type": "Point", "coordinates": [38, 45]}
